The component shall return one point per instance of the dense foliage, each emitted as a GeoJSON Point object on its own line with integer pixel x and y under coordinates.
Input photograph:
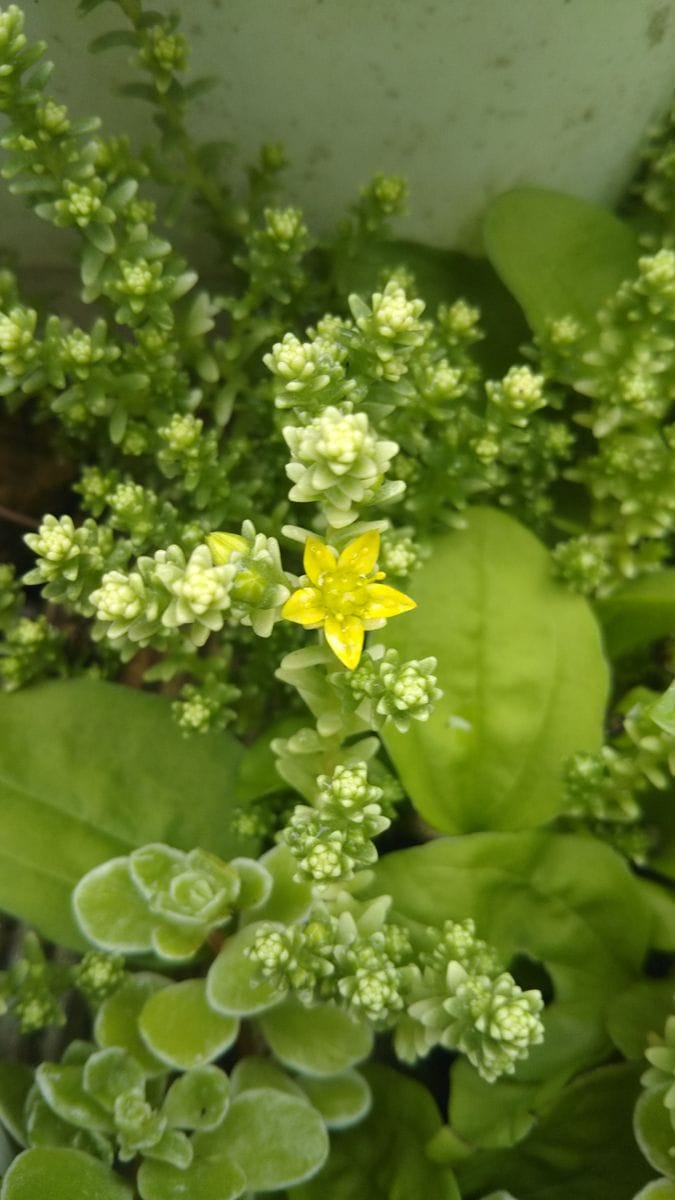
{"type": "Point", "coordinates": [279, 816]}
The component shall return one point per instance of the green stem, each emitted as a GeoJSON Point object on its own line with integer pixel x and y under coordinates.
{"type": "Point", "coordinates": [212, 194]}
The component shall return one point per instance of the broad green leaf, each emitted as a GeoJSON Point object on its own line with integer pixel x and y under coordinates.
{"type": "Point", "coordinates": [638, 613]}
{"type": "Point", "coordinates": [523, 677]}
{"type": "Point", "coordinates": [47, 1173]}
{"type": "Point", "coordinates": [566, 902]}
{"type": "Point", "coordinates": [16, 1080]}
{"type": "Point", "coordinates": [582, 1150]}
{"type": "Point", "coordinates": [89, 771]}
{"type": "Point", "coordinates": [342, 1100]}
{"type": "Point", "coordinates": [638, 1012]}
{"type": "Point", "coordinates": [108, 1073]}
{"type": "Point", "coordinates": [383, 1157]}
{"type": "Point", "coordinates": [276, 1139]}
{"type": "Point", "coordinates": [317, 1041]}
{"type": "Point", "coordinates": [557, 255]}
{"type": "Point", "coordinates": [198, 1099]}
{"type": "Point", "coordinates": [179, 1026]}
{"type": "Point", "coordinates": [654, 1132]}
{"type": "Point", "coordinates": [234, 986]}
{"type": "Point", "coordinates": [117, 1020]}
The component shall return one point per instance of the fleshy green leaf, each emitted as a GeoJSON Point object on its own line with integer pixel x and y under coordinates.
{"type": "Point", "coordinates": [48, 1173]}
{"type": "Point", "coordinates": [638, 1012]}
{"type": "Point", "coordinates": [639, 612]}
{"type": "Point", "coordinates": [117, 1019]}
{"type": "Point", "coordinates": [582, 1149]}
{"type": "Point", "coordinates": [16, 1081]}
{"type": "Point", "coordinates": [233, 985]}
{"type": "Point", "coordinates": [198, 1099]}
{"type": "Point", "coordinates": [342, 1100]}
{"type": "Point", "coordinates": [110, 910]}
{"type": "Point", "coordinates": [90, 770]}
{"type": "Point", "coordinates": [558, 255]}
{"type": "Point", "coordinates": [209, 1178]}
{"type": "Point", "coordinates": [523, 675]}
{"type": "Point", "coordinates": [178, 1026]}
{"type": "Point", "coordinates": [276, 1139]}
{"type": "Point", "coordinates": [663, 711]}
{"type": "Point", "coordinates": [317, 1041]}
{"type": "Point", "coordinates": [289, 900]}
{"type": "Point", "coordinates": [654, 1132]}
{"type": "Point", "coordinates": [659, 1189]}
{"type": "Point", "coordinates": [568, 903]}
{"type": "Point", "coordinates": [384, 1156]}
{"type": "Point", "coordinates": [109, 1072]}
{"type": "Point", "coordinates": [63, 1090]}
{"type": "Point", "coordinates": [254, 1072]}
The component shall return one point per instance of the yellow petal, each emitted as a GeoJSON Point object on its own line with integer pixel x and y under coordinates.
{"type": "Point", "coordinates": [304, 607]}
{"type": "Point", "coordinates": [345, 639]}
{"type": "Point", "coordinates": [360, 555]}
{"type": "Point", "coordinates": [318, 559]}
{"type": "Point", "coordinates": [384, 601]}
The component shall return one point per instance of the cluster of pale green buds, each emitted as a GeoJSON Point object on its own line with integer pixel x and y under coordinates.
{"type": "Point", "coordinates": [388, 690]}
{"type": "Point", "coordinates": [339, 462]}
{"type": "Point", "coordinates": [519, 394]}
{"type": "Point", "coordinates": [459, 322]}
{"type": "Point", "coordinates": [400, 554]}
{"type": "Point", "coordinates": [361, 963]}
{"type": "Point", "coordinates": [307, 375]}
{"type": "Point", "coordinates": [390, 329]}
{"type": "Point", "coordinates": [463, 1001]}
{"type": "Point", "coordinates": [165, 592]}
{"type": "Point", "coordinates": [70, 559]}
{"type": "Point", "coordinates": [17, 344]}
{"type": "Point", "coordinates": [660, 1075]}
{"type": "Point", "coordinates": [582, 563]}
{"type": "Point", "coordinates": [332, 840]}
{"type": "Point", "coordinates": [602, 786]}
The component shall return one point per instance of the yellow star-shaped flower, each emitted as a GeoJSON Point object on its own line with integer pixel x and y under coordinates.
{"type": "Point", "coordinates": [344, 596]}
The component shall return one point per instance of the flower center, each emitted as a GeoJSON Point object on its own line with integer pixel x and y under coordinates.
{"type": "Point", "coordinates": [344, 592]}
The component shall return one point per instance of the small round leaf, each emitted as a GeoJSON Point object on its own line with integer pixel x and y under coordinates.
{"type": "Point", "coordinates": [654, 1133]}
{"type": "Point", "coordinates": [317, 1041]}
{"type": "Point", "coordinates": [179, 1026]}
{"type": "Point", "coordinates": [234, 985]}
{"type": "Point", "coordinates": [110, 910]}
{"type": "Point", "coordinates": [198, 1100]}
{"type": "Point", "coordinates": [342, 1100]}
{"type": "Point", "coordinates": [52, 1173]}
{"type": "Point", "coordinates": [117, 1019]}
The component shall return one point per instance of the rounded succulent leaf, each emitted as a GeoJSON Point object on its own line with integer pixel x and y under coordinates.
{"type": "Point", "coordinates": [254, 1072]}
{"type": "Point", "coordinates": [198, 1100]}
{"type": "Point", "coordinates": [179, 1026]}
{"type": "Point", "coordinates": [342, 1100]}
{"type": "Point", "coordinates": [319, 1041]}
{"type": "Point", "coordinates": [63, 1090]}
{"type": "Point", "coordinates": [110, 1072]}
{"type": "Point", "coordinates": [255, 882]}
{"type": "Point", "coordinates": [278, 1140]}
{"type": "Point", "coordinates": [234, 985]}
{"type": "Point", "coordinates": [110, 910]}
{"type": "Point", "coordinates": [654, 1132]}
{"type": "Point", "coordinates": [208, 1178]}
{"type": "Point", "coordinates": [117, 1019]}
{"type": "Point", "coordinates": [288, 900]}
{"type": "Point", "coordinates": [50, 1171]}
